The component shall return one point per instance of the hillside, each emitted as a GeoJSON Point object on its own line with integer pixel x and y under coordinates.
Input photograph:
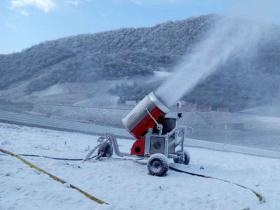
{"type": "Point", "coordinates": [115, 66]}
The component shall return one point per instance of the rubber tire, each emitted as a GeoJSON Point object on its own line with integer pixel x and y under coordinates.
{"type": "Point", "coordinates": [105, 150]}
{"type": "Point", "coordinates": [186, 161]}
{"type": "Point", "coordinates": [158, 165]}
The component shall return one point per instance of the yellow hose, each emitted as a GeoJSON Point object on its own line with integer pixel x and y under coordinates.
{"type": "Point", "coordinates": [31, 165]}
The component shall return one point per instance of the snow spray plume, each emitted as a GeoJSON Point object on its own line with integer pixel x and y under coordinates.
{"type": "Point", "coordinates": [228, 37]}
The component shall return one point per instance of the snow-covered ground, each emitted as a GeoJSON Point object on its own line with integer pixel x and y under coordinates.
{"type": "Point", "coordinates": [125, 184]}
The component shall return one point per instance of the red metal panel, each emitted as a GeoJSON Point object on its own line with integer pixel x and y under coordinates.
{"type": "Point", "coordinates": [142, 127]}
{"type": "Point", "coordinates": [138, 147]}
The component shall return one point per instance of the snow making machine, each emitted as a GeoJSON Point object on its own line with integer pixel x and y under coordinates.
{"type": "Point", "coordinates": [157, 136]}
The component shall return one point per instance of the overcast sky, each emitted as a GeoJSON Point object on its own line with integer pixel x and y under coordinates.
{"type": "Point", "coordinates": [28, 22]}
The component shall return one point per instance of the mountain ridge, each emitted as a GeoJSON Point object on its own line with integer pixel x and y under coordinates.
{"type": "Point", "coordinates": [124, 62]}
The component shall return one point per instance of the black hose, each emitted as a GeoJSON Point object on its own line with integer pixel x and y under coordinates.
{"type": "Point", "coordinates": [53, 158]}
{"type": "Point", "coordinates": [258, 195]}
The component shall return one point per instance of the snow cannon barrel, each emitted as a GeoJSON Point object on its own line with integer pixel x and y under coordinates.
{"type": "Point", "coordinates": [142, 117]}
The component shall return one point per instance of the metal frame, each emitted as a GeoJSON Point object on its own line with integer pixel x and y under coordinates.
{"type": "Point", "coordinates": [179, 139]}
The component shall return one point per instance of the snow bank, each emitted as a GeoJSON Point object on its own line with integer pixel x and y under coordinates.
{"type": "Point", "coordinates": [126, 184]}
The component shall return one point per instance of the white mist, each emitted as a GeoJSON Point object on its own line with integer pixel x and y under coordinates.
{"type": "Point", "coordinates": [228, 37]}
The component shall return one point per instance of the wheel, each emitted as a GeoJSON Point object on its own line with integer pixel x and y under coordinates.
{"type": "Point", "coordinates": [157, 165]}
{"type": "Point", "coordinates": [105, 150]}
{"type": "Point", "coordinates": [182, 158]}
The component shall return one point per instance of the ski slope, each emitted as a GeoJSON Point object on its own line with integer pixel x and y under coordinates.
{"type": "Point", "coordinates": [125, 184]}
